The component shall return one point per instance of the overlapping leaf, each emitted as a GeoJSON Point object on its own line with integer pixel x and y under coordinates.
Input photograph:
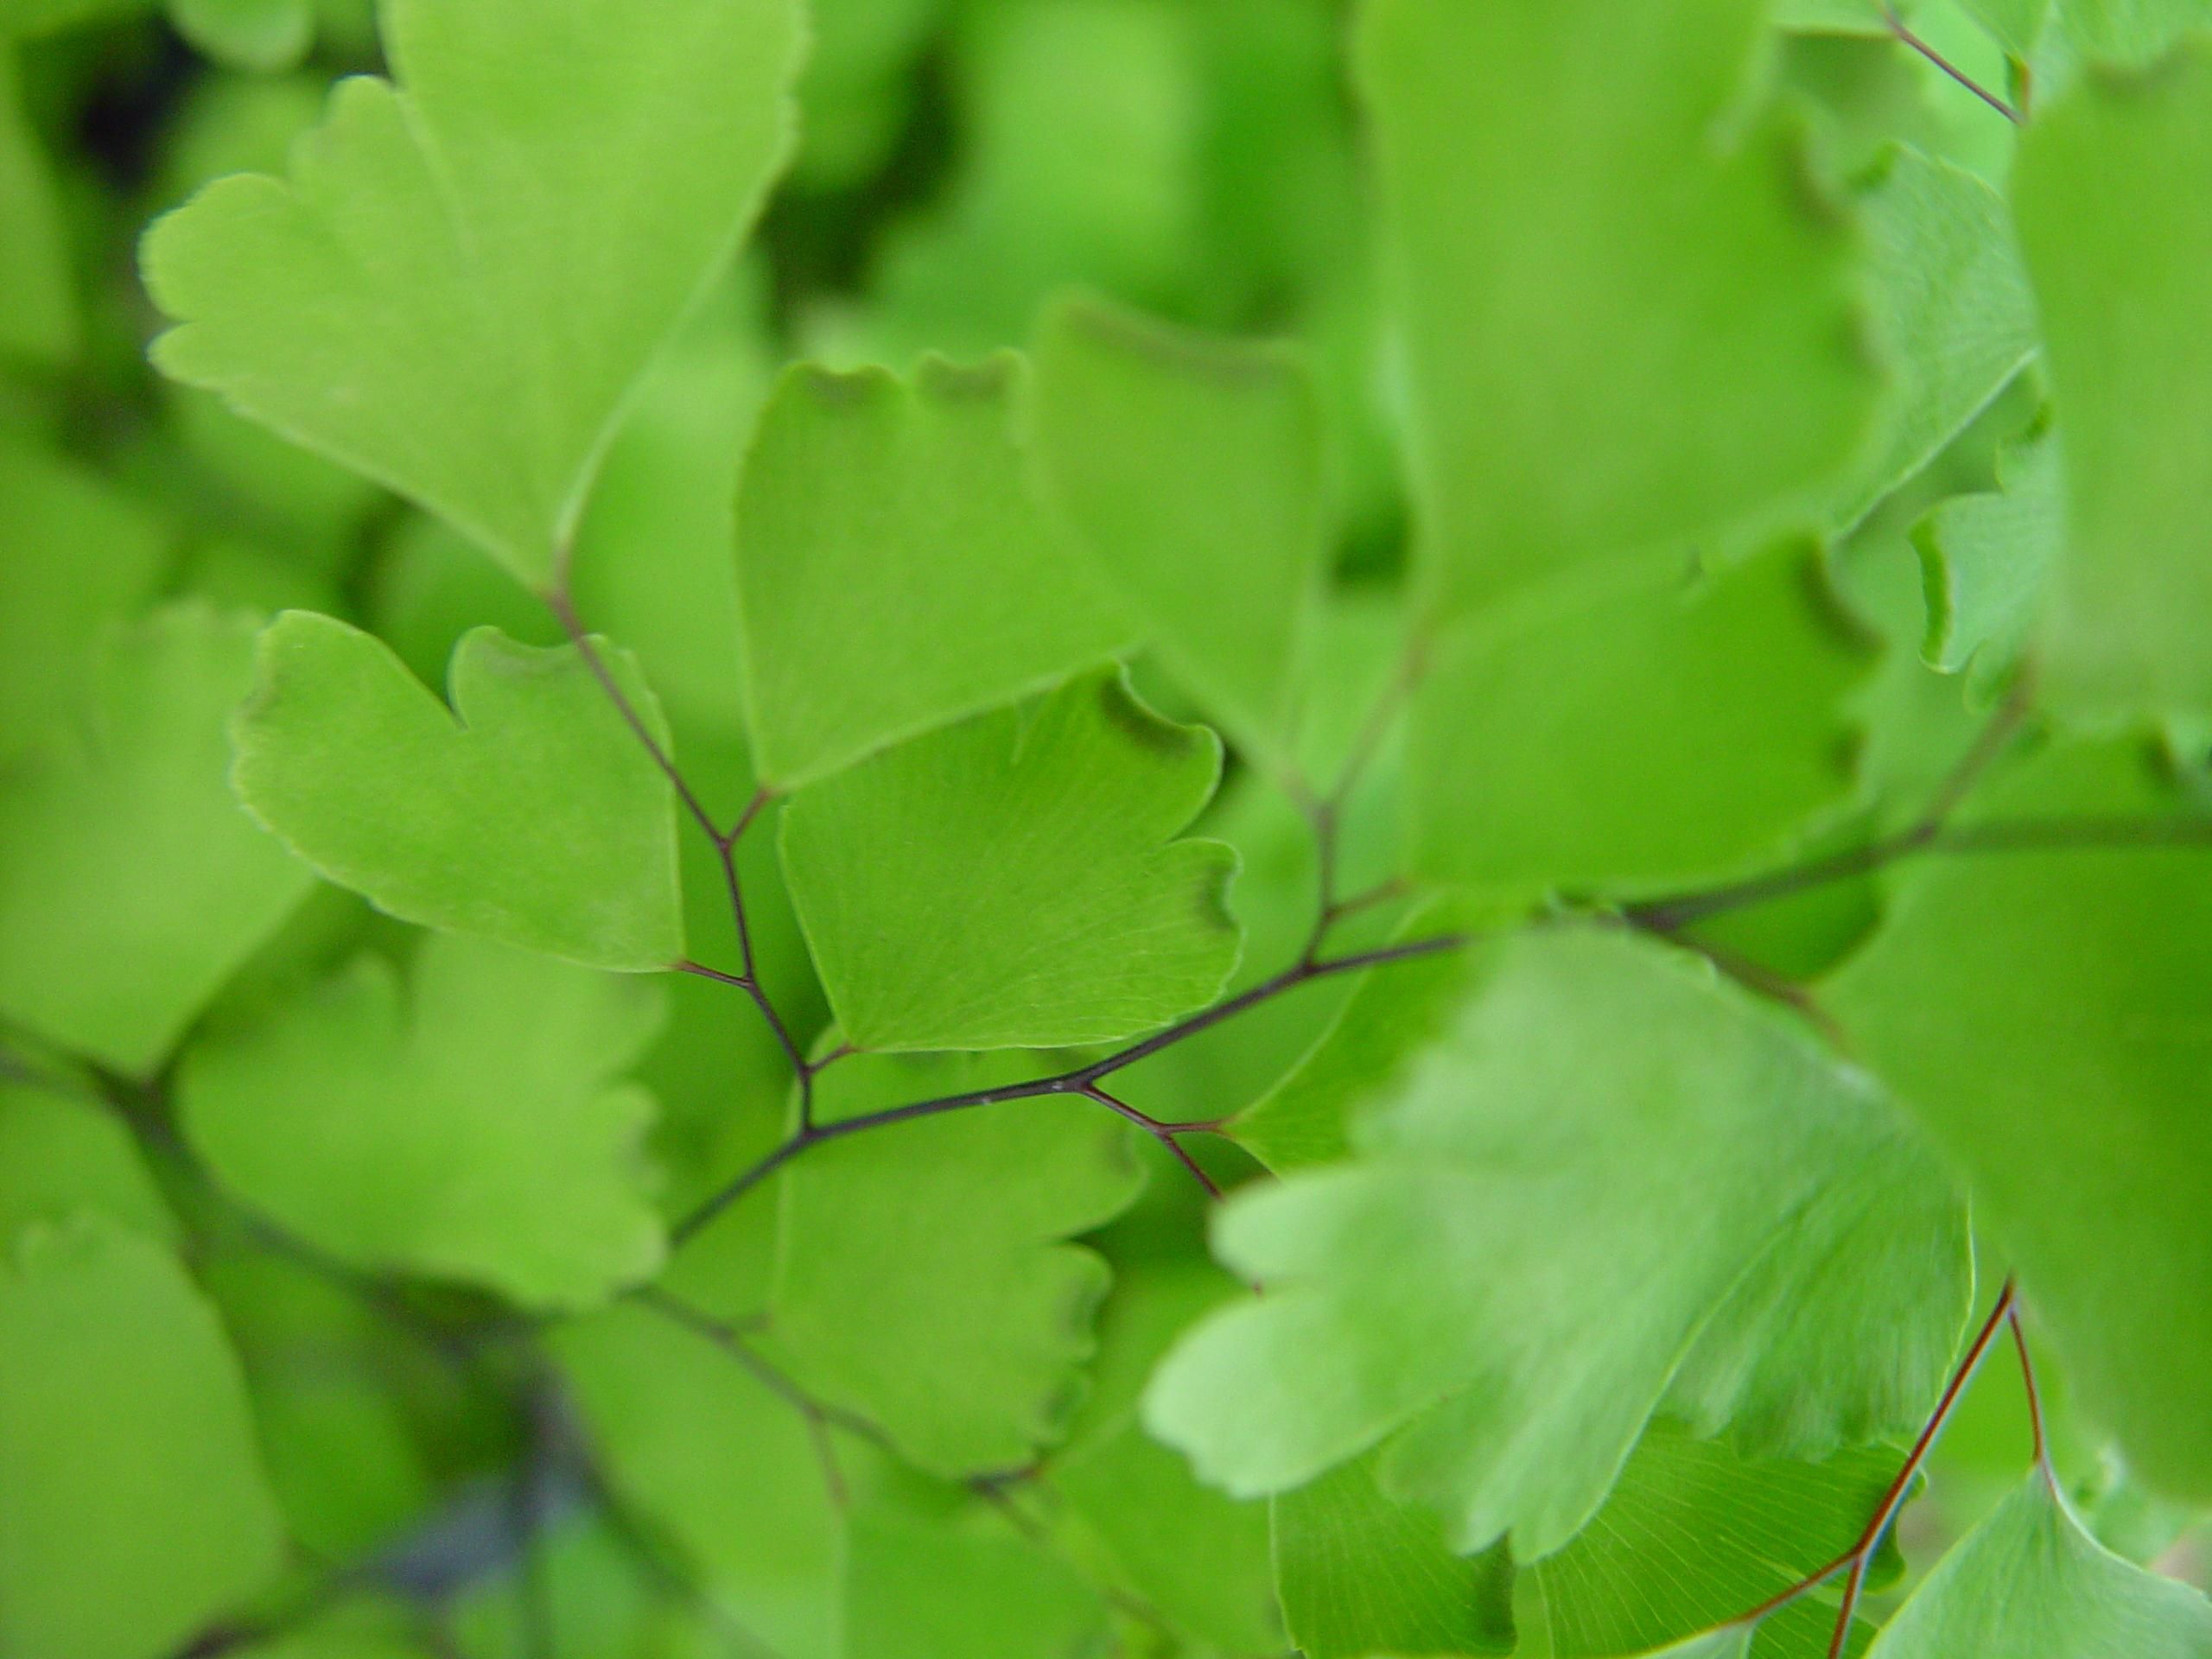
{"type": "Point", "coordinates": [1644, 734]}
{"type": "Point", "coordinates": [130, 884]}
{"type": "Point", "coordinates": [895, 569]}
{"type": "Point", "coordinates": [1012, 881]}
{"type": "Point", "coordinates": [126, 1451]}
{"type": "Point", "coordinates": [1193, 470]}
{"type": "Point", "coordinates": [467, 1128]}
{"type": "Point", "coordinates": [950, 1230]}
{"type": "Point", "coordinates": [1629, 316]}
{"type": "Point", "coordinates": [460, 282]}
{"type": "Point", "coordinates": [2041, 1011]}
{"type": "Point", "coordinates": [2114, 196]}
{"type": "Point", "coordinates": [1986, 560]}
{"type": "Point", "coordinates": [2029, 1582]}
{"type": "Point", "coordinates": [1542, 1214]}
{"type": "Point", "coordinates": [530, 813]}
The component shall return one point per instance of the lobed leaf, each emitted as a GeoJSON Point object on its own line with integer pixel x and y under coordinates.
{"type": "Point", "coordinates": [529, 813]}
{"type": "Point", "coordinates": [467, 270]}
{"type": "Point", "coordinates": [466, 1127]}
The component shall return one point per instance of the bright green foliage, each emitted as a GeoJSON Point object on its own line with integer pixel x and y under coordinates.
{"type": "Point", "coordinates": [38, 311]}
{"type": "Point", "coordinates": [466, 1129]}
{"type": "Point", "coordinates": [1013, 883]}
{"type": "Point", "coordinates": [1542, 1214]}
{"type": "Point", "coordinates": [1952, 304]}
{"type": "Point", "coordinates": [130, 884]}
{"type": "Point", "coordinates": [950, 1230]}
{"type": "Point", "coordinates": [1987, 559]}
{"type": "Point", "coordinates": [1198, 1558]}
{"type": "Point", "coordinates": [1194, 471]}
{"type": "Point", "coordinates": [2115, 197]}
{"type": "Point", "coordinates": [1693, 1535]}
{"type": "Point", "coordinates": [460, 283]}
{"type": "Point", "coordinates": [261, 34]}
{"type": "Point", "coordinates": [59, 1154]}
{"type": "Point", "coordinates": [728, 1473]}
{"type": "Point", "coordinates": [2062, 989]}
{"type": "Point", "coordinates": [1559, 414]}
{"type": "Point", "coordinates": [923, 1592]}
{"type": "Point", "coordinates": [857, 635]}
{"type": "Point", "coordinates": [527, 813]}
{"type": "Point", "coordinates": [2130, 31]}
{"type": "Point", "coordinates": [77, 556]}
{"type": "Point", "coordinates": [1361, 1574]}
{"type": "Point", "coordinates": [2029, 1583]}
{"type": "Point", "coordinates": [1636, 735]}
{"type": "Point", "coordinates": [136, 1508]}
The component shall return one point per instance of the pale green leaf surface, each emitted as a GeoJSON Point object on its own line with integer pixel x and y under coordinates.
{"type": "Point", "coordinates": [59, 1154]}
{"type": "Point", "coordinates": [895, 568]}
{"type": "Point", "coordinates": [951, 1232]}
{"type": "Point", "coordinates": [1652, 335]}
{"type": "Point", "coordinates": [2017, 25]}
{"type": "Point", "coordinates": [730, 1474]}
{"type": "Point", "coordinates": [2029, 1584]}
{"type": "Point", "coordinates": [527, 813]}
{"type": "Point", "coordinates": [464, 1127]}
{"type": "Point", "coordinates": [2132, 32]}
{"type": "Point", "coordinates": [257, 34]}
{"type": "Point", "coordinates": [1646, 735]}
{"type": "Point", "coordinates": [1952, 303]}
{"type": "Point", "coordinates": [2113, 195]}
{"type": "Point", "coordinates": [917, 1591]}
{"type": "Point", "coordinates": [1361, 1574]}
{"type": "Point", "coordinates": [38, 301]}
{"type": "Point", "coordinates": [1833, 16]}
{"type": "Point", "coordinates": [1986, 560]}
{"type": "Point", "coordinates": [1014, 881]}
{"type": "Point", "coordinates": [1693, 1535]}
{"type": "Point", "coordinates": [2043, 1013]}
{"type": "Point", "coordinates": [135, 1509]}
{"type": "Point", "coordinates": [1540, 1217]}
{"type": "Point", "coordinates": [75, 554]}
{"type": "Point", "coordinates": [1192, 469]}
{"type": "Point", "coordinates": [130, 883]}
{"type": "Point", "coordinates": [460, 283]}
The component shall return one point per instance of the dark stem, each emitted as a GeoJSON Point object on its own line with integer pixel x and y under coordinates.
{"type": "Point", "coordinates": [2035, 1400]}
{"type": "Point", "coordinates": [1167, 1135]}
{"type": "Point", "coordinates": [1080, 1081]}
{"type": "Point", "coordinates": [1904, 33]}
{"type": "Point", "coordinates": [564, 613]}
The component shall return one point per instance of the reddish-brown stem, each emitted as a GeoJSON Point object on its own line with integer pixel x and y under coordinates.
{"type": "Point", "coordinates": [1904, 36]}
{"type": "Point", "coordinates": [564, 613]}
{"type": "Point", "coordinates": [2035, 1399]}
{"type": "Point", "coordinates": [1168, 1134]}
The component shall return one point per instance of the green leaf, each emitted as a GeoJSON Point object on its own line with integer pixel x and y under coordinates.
{"type": "Point", "coordinates": [1192, 469]}
{"type": "Point", "coordinates": [466, 1129]}
{"type": "Point", "coordinates": [79, 554]}
{"type": "Point", "coordinates": [38, 299]}
{"type": "Point", "coordinates": [261, 35]}
{"type": "Point", "coordinates": [1543, 1214]}
{"type": "Point", "coordinates": [895, 569]}
{"type": "Point", "coordinates": [1986, 560]}
{"type": "Point", "coordinates": [1199, 1559]}
{"type": "Point", "coordinates": [916, 1591]}
{"type": "Point", "coordinates": [1629, 317]}
{"type": "Point", "coordinates": [1952, 304]}
{"type": "Point", "coordinates": [527, 813]}
{"type": "Point", "coordinates": [2131, 31]}
{"type": "Point", "coordinates": [59, 1154]}
{"type": "Point", "coordinates": [950, 1231]}
{"type": "Point", "coordinates": [130, 884]}
{"type": "Point", "coordinates": [1635, 736]}
{"type": "Point", "coordinates": [1012, 881]}
{"type": "Point", "coordinates": [1695, 1536]}
{"type": "Point", "coordinates": [136, 1512]}
{"type": "Point", "coordinates": [2029, 1583]}
{"type": "Point", "coordinates": [708, 1456]}
{"type": "Point", "coordinates": [460, 283]}
{"type": "Point", "coordinates": [2113, 195]}
{"type": "Point", "coordinates": [2041, 1011]}
{"type": "Point", "coordinates": [1361, 1574]}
